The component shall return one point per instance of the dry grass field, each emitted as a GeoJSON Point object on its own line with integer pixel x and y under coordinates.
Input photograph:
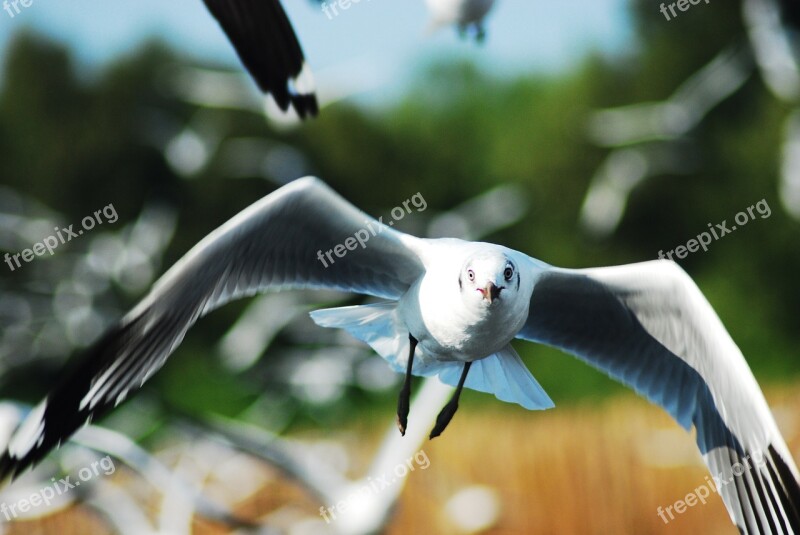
{"type": "Point", "coordinates": [586, 469]}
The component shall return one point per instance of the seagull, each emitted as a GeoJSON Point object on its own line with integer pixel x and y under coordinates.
{"type": "Point", "coordinates": [268, 47]}
{"type": "Point", "coordinates": [451, 308]}
{"type": "Point", "coordinates": [466, 15]}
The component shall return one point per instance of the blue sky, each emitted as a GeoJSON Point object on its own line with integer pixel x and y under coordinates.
{"type": "Point", "coordinates": [385, 39]}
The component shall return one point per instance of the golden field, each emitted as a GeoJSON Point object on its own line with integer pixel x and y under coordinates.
{"type": "Point", "coordinates": [602, 468]}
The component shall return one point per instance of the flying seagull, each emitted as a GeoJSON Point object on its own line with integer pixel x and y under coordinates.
{"type": "Point", "coordinates": [266, 43]}
{"type": "Point", "coordinates": [466, 15]}
{"type": "Point", "coordinates": [452, 309]}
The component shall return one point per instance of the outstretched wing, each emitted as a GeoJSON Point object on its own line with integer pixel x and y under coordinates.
{"type": "Point", "coordinates": [649, 326]}
{"type": "Point", "coordinates": [274, 244]}
{"type": "Point", "coordinates": [266, 43]}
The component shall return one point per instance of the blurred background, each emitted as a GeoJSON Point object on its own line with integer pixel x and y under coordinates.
{"type": "Point", "coordinates": [584, 133]}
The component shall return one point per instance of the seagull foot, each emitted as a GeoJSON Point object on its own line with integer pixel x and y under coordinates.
{"type": "Point", "coordinates": [443, 419]}
{"type": "Point", "coordinates": [404, 400]}
{"type": "Point", "coordinates": [452, 406]}
{"type": "Point", "coordinates": [403, 405]}
{"type": "Point", "coordinates": [401, 424]}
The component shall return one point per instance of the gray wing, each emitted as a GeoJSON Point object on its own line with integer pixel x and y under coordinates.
{"type": "Point", "coordinates": [266, 43]}
{"type": "Point", "coordinates": [649, 326]}
{"type": "Point", "coordinates": [272, 245]}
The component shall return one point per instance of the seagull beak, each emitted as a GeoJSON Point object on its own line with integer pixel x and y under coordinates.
{"type": "Point", "coordinates": [491, 292]}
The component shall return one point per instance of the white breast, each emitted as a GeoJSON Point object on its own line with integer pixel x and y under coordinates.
{"type": "Point", "coordinates": [446, 329]}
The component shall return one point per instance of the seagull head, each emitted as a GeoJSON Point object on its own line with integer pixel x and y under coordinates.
{"type": "Point", "coordinates": [489, 278]}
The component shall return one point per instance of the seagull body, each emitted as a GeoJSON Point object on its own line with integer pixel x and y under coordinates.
{"type": "Point", "coordinates": [440, 328]}
{"type": "Point", "coordinates": [434, 311]}
{"type": "Point", "coordinates": [464, 14]}
{"type": "Point", "coordinates": [451, 309]}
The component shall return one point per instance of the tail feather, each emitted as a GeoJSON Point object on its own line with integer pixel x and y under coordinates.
{"type": "Point", "coordinates": [502, 374]}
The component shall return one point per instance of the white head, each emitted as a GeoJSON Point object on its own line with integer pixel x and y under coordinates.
{"type": "Point", "coordinates": [489, 279]}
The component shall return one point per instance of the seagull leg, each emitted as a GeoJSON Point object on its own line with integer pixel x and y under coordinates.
{"type": "Point", "coordinates": [452, 406]}
{"type": "Point", "coordinates": [480, 34]}
{"type": "Point", "coordinates": [405, 393]}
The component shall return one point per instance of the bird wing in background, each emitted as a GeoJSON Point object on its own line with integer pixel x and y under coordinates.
{"type": "Point", "coordinates": [790, 11]}
{"type": "Point", "coordinates": [267, 45]}
{"type": "Point", "coordinates": [271, 245]}
{"type": "Point", "coordinates": [649, 326]}
{"type": "Point", "coordinates": [770, 34]}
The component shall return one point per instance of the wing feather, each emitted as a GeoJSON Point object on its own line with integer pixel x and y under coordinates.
{"type": "Point", "coordinates": [266, 44]}
{"type": "Point", "coordinates": [270, 246]}
{"type": "Point", "coordinates": [649, 326]}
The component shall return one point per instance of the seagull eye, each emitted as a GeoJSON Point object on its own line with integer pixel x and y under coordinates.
{"type": "Point", "coordinates": [471, 275]}
{"type": "Point", "coordinates": [508, 273]}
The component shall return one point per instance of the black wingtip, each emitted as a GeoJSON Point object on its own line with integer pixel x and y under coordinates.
{"type": "Point", "coordinates": [60, 414]}
{"type": "Point", "coordinates": [7, 473]}
{"type": "Point", "coordinates": [790, 497]}
{"type": "Point", "coordinates": [267, 46]}
{"type": "Point", "coordinates": [306, 106]}
{"type": "Point", "coordinates": [11, 468]}
{"type": "Point", "coordinates": [790, 12]}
